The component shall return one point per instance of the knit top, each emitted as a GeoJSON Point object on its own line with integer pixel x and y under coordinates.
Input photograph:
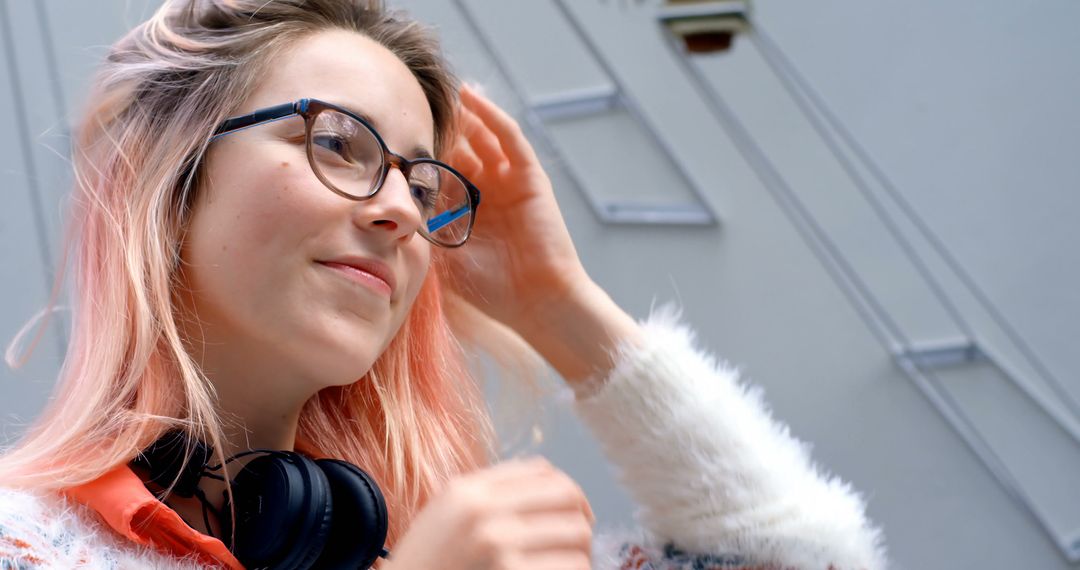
{"type": "Point", "coordinates": [717, 481]}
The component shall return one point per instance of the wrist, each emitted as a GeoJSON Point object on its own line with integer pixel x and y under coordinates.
{"type": "Point", "coordinates": [577, 332]}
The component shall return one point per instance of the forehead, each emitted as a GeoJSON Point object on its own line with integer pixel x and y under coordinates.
{"type": "Point", "coordinates": [358, 73]}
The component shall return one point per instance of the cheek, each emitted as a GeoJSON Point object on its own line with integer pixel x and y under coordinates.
{"type": "Point", "coordinates": [275, 205]}
{"type": "Point", "coordinates": [245, 225]}
{"type": "Point", "coordinates": [418, 265]}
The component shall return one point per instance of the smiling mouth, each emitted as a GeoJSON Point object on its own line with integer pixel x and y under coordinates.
{"type": "Point", "coordinates": [361, 277]}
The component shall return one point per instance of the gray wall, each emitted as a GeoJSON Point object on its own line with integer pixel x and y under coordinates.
{"type": "Point", "coordinates": [969, 111]}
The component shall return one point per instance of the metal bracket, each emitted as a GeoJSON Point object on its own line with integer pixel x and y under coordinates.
{"type": "Point", "coordinates": [940, 354]}
{"type": "Point", "coordinates": [679, 10]}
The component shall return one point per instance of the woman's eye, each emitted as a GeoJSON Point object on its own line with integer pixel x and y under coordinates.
{"type": "Point", "coordinates": [333, 143]}
{"type": "Point", "coordinates": [424, 195]}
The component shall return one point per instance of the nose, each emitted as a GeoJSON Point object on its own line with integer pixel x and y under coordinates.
{"type": "Point", "coordinates": [391, 212]}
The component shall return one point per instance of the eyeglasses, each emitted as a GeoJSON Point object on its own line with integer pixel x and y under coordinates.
{"type": "Point", "coordinates": [347, 154]}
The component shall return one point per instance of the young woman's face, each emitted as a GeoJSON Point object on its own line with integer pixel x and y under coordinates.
{"type": "Point", "coordinates": [268, 301]}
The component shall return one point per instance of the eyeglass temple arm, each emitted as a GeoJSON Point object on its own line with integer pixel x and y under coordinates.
{"type": "Point", "coordinates": [261, 116]}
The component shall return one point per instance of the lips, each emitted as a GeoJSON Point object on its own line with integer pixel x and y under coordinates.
{"type": "Point", "coordinates": [364, 269]}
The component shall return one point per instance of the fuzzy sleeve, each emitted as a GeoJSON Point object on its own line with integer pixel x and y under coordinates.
{"type": "Point", "coordinates": [26, 542]}
{"type": "Point", "coordinates": [711, 470]}
{"type": "Point", "coordinates": [46, 532]}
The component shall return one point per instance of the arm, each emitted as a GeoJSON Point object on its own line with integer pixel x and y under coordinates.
{"type": "Point", "coordinates": [711, 470]}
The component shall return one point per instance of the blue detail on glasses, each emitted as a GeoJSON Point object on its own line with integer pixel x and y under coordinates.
{"type": "Point", "coordinates": [438, 222]}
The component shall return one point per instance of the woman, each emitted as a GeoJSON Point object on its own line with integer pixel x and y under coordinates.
{"type": "Point", "coordinates": [259, 223]}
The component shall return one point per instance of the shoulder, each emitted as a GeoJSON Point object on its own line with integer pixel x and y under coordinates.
{"type": "Point", "coordinates": [27, 528]}
{"type": "Point", "coordinates": [44, 530]}
{"type": "Point", "coordinates": [25, 513]}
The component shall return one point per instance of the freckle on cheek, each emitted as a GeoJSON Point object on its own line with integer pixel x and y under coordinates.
{"type": "Point", "coordinates": [284, 164]}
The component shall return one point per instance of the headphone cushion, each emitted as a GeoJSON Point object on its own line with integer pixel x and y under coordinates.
{"type": "Point", "coordinates": [283, 512]}
{"type": "Point", "coordinates": [359, 522]}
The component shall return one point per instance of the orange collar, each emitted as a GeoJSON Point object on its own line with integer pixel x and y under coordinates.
{"type": "Point", "coordinates": [131, 510]}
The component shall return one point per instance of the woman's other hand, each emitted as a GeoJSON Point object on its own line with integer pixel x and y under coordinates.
{"type": "Point", "coordinates": [517, 515]}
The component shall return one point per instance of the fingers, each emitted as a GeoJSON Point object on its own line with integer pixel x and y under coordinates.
{"type": "Point", "coordinates": [559, 561]}
{"type": "Point", "coordinates": [553, 533]}
{"type": "Point", "coordinates": [513, 470]}
{"type": "Point", "coordinates": [536, 485]}
{"type": "Point", "coordinates": [545, 540]}
{"type": "Point", "coordinates": [482, 140]}
{"type": "Point", "coordinates": [531, 516]}
{"type": "Point", "coordinates": [463, 157]}
{"type": "Point", "coordinates": [513, 142]}
{"type": "Point", "coordinates": [550, 493]}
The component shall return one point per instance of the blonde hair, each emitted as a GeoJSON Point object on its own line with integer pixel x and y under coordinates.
{"type": "Point", "coordinates": [414, 421]}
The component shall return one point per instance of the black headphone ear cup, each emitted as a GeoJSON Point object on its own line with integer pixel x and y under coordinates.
{"type": "Point", "coordinates": [283, 512]}
{"type": "Point", "coordinates": [359, 526]}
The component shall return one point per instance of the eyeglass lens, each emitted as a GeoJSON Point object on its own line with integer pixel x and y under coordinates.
{"type": "Point", "coordinates": [347, 156]}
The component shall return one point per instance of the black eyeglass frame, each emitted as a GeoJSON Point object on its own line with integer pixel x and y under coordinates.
{"type": "Point", "coordinates": [309, 109]}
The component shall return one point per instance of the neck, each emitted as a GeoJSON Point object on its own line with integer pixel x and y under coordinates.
{"type": "Point", "coordinates": [258, 393]}
{"type": "Point", "coordinates": [252, 424]}
{"type": "Point", "coordinates": [258, 398]}
{"type": "Point", "coordinates": [269, 434]}
{"type": "Point", "coordinates": [258, 411]}
{"type": "Point", "coordinates": [256, 414]}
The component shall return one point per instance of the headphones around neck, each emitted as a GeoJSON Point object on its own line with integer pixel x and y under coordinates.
{"type": "Point", "coordinates": [292, 512]}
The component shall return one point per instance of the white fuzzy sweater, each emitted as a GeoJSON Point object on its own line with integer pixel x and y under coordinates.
{"type": "Point", "coordinates": [718, 482]}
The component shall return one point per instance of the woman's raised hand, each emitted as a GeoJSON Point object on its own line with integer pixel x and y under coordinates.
{"type": "Point", "coordinates": [517, 515]}
{"type": "Point", "coordinates": [520, 256]}
{"type": "Point", "coordinates": [520, 266]}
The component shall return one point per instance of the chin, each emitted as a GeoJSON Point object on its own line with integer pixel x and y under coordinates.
{"type": "Point", "coordinates": [340, 375]}
{"type": "Point", "coordinates": [324, 380]}
{"type": "Point", "coordinates": [326, 361]}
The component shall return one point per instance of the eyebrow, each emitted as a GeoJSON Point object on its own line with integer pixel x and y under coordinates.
{"type": "Point", "coordinates": [418, 151]}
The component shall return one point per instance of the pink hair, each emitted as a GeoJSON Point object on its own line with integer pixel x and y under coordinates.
{"type": "Point", "coordinates": [416, 420]}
